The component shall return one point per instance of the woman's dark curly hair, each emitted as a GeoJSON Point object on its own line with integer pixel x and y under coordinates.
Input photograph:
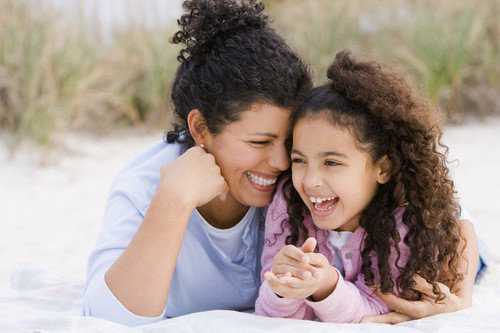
{"type": "Point", "coordinates": [232, 58]}
{"type": "Point", "coordinates": [389, 118]}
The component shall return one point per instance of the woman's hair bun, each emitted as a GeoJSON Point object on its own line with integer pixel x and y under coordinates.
{"type": "Point", "coordinates": [210, 22]}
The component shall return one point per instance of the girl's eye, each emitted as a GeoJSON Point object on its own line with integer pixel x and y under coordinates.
{"type": "Point", "coordinates": [297, 160]}
{"type": "Point", "coordinates": [331, 163]}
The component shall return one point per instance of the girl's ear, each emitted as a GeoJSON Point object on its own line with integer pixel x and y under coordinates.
{"type": "Point", "coordinates": [197, 126]}
{"type": "Point", "coordinates": [385, 167]}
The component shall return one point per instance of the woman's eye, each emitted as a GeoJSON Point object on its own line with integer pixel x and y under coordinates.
{"type": "Point", "coordinates": [331, 163]}
{"type": "Point", "coordinates": [259, 143]}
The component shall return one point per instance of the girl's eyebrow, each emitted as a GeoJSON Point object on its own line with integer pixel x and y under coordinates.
{"type": "Point", "coordinates": [334, 153]}
{"type": "Point", "coordinates": [325, 154]}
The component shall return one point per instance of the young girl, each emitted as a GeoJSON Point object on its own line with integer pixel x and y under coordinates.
{"type": "Point", "coordinates": [369, 204]}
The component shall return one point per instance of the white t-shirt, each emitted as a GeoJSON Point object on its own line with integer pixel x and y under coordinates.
{"type": "Point", "coordinates": [230, 241]}
{"type": "Point", "coordinates": [338, 239]}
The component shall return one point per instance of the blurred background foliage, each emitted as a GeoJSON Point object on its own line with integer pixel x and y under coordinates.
{"type": "Point", "coordinates": [58, 72]}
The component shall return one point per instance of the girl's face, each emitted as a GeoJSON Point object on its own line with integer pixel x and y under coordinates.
{"type": "Point", "coordinates": [335, 179]}
{"type": "Point", "coordinates": [251, 153]}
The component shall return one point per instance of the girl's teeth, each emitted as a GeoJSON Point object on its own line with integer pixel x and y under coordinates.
{"type": "Point", "coordinates": [320, 200]}
{"type": "Point", "coordinates": [260, 181]}
{"type": "Point", "coordinates": [327, 208]}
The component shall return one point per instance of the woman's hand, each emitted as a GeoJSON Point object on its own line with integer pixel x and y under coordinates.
{"type": "Point", "coordinates": [193, 179]}
{"type": "Point", "coordinates": [409, 310]}
{"type": "Point", "coordinates": [300, 273]}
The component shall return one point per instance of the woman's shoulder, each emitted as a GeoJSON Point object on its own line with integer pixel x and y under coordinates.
{"type": "Point", "coordinates": [154, 157]}
{"type": "Point", "coordinates": [139, 179]}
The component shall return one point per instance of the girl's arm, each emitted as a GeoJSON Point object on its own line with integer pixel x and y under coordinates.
{"type": "Point", "coordinates": [462, 298]}
{"type": "Point", "coordinates": [139, 279]}
{"type": "Point", "coordinates": [348, 303]}
{"type": "Point", "coordinates": [268, 303]}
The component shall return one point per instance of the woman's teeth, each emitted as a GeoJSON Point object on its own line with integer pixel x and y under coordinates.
{"type": "Point", "coordinates": [260, 181]}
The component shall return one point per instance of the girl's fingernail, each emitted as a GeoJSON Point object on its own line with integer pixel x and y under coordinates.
{"type": "Point", "coordinates": [306, 275]}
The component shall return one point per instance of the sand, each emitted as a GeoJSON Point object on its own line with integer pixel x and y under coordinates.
{"type": "Point", "coordinates": [51, 214]}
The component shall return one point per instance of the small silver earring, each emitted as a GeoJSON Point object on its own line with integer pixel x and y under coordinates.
{"type": "Point", "coordinates": [202, 146]}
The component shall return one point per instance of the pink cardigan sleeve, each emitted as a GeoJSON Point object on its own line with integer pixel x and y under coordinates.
{"type": "Point", "coordinates": [351, 301]}
{"type": "Point", "coordinates": [268, 303]}
{"type": "Point", "coordinates": [348, 303]}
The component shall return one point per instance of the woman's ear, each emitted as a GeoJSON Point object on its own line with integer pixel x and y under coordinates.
{"type": "Point", "coordinates": [197, 126]}
{"type": "Point", "coordinates": [385, 168]}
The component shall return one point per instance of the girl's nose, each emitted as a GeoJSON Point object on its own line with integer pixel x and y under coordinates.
{"type": "Point", "coordinates": [312, 178]}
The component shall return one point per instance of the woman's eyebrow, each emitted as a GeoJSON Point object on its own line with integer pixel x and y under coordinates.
{"type": "Point", "coordinates": [271, 135]}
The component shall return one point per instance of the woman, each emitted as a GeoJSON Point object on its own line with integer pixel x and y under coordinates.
{"type": "Point", "coordinates": [182, 229]}
{"type": "Point", "coordinates": [182, 221]}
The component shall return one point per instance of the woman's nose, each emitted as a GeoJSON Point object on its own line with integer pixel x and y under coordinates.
{"type": "Point", "coordinates": [278, 158]}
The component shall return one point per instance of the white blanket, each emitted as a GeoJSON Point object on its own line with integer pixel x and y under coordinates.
{"type": "Point", "coordinates": [40, 300]}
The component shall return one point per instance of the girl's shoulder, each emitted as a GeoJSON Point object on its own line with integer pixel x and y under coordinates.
{"type": "Point", "coordinates": [400, 226]}
{"type": "Point", "coordinates": [277, 210]}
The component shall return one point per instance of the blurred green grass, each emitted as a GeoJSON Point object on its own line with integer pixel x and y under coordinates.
{"type": "Point", "coordinates": [58, 73]}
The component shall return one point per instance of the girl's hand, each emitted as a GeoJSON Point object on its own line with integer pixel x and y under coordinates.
{"type": "Point", "coordinates": [193, 179]}
{"type": "Point", "coordinates": [294, 260]}
{"type": "Point", "coordinates": [409, 310]}
{"type": "Point", "coordinates": [301, 273]}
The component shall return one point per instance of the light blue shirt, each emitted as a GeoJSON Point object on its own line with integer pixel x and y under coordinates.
{"type": "Point", "coordinates": [205, 277]}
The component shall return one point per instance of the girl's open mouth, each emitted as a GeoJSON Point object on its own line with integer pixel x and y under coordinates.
{"type": "Point", "coordinates": [325, 206]}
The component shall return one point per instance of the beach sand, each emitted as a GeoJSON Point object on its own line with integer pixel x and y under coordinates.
{"type": "Point", "coordinates": [51, 214]}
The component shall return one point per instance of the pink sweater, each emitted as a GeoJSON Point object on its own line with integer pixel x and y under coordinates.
{"type": "Point", "coordinates": [351, 300]}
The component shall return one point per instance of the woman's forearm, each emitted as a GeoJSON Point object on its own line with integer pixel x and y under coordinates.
{"type": "Point", "coordinates": [140, 278]}
{"type": "Point", "coordinates": [469, 262]}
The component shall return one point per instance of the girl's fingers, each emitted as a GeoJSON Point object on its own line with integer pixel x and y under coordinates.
{"type": "Point", "coordinates": [295, 253]}
{"type": "Point", "coordinates": [304, 272]}
{"type": "Point", "coordinates": [291, 281]}
{"type": "Point", "coordinates": [317, 259]}
{"type": "Point", "coordinates": [309, 245]}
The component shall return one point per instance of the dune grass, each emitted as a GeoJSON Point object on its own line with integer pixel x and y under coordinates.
{"type": "Point", "coordinates": [58, 72]}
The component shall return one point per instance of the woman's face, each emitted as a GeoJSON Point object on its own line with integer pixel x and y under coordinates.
{"type": "Point", "coordinates": [251, 152]}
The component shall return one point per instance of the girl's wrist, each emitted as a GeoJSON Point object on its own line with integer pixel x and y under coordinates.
{"type": "Point", "coordinates": [328, 286]}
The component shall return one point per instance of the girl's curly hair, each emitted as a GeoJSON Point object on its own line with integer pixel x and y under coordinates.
{"type": "Point", "coordinates": [231, 59]}
{"type": "Point", "coordinates": [389, 118]}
